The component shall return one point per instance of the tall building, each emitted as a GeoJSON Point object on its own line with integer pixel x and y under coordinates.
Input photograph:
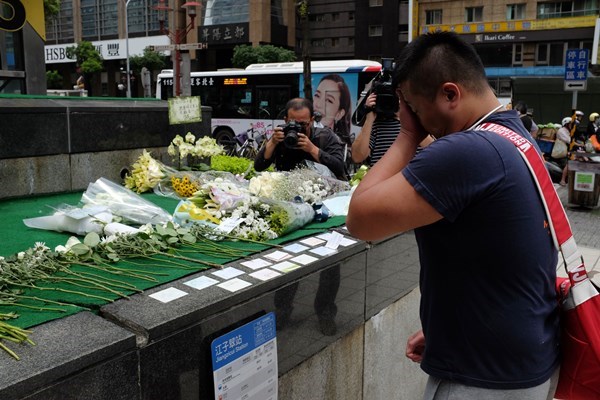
{"type": "Point", "coordinates": [513, 38]}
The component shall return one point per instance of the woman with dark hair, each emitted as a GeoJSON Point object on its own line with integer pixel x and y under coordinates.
{"type": "Point", "coordinates": [332, 100]}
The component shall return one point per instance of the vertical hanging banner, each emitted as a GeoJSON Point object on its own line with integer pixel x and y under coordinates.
{"type": "Point", "coordinates": [245, 361]}
{"type": "Point", "coordinates": [184, 110]}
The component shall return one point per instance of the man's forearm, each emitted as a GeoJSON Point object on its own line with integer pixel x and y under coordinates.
{"type": "Point", "coordinates": [360, 147]}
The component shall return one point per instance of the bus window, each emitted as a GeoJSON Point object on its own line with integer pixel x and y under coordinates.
{"type": "Point", "coordinates": [234, 102]}
{"type": "Point", "coordinates": [271, 101]}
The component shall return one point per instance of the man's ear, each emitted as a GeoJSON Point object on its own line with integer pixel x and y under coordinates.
{"type": "Point", "coordinates": [450, 91]}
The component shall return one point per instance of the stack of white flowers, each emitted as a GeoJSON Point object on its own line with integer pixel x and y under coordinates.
{"type": "Point", "coordinates": [203, 147]}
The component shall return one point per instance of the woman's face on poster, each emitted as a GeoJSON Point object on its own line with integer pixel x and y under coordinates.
{"type": "Point", "coordinates": [326, 101]}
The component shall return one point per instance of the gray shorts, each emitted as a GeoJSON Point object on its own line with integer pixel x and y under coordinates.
{"type": "Point", "coordinates": [438, 389]}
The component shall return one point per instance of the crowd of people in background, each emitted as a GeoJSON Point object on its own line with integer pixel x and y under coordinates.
{"type": "Point", "coordinates": [570, 137]}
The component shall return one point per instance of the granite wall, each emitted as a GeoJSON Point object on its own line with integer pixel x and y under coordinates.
{"type": "Point", "coordinates": [60, 145]}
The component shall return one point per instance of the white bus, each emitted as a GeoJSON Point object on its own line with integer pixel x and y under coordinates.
{"type": "Point", "coordinates": [252, 100]}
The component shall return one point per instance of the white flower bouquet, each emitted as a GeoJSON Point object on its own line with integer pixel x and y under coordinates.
{"type": "Point", "coordinates": [204, 147]}
{"type": "Point", "coordinates": [227, 205]}
{"type": "Point", "coordinates": [146, 173]}
{"type": "Point", "coordinates": [308, 184]}
{"type": "Point", "coordinates": [124, 203]}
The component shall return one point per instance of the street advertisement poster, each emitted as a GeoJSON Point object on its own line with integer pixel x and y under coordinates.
{"type": "Point", "coordinates": [334, 97]}
{"type": "Point", "coordinates": [584, 181]}
{"type": "Point", "coordinates": [244, 361]}
{"type": "Point", "coordinates": [184, 110]}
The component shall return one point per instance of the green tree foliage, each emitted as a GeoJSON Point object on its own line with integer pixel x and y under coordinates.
{"type": "Point", "coordinates": [245, 55]}
{"type": "Point", "coordinates": [150, 59]}
{"type": "Point", "coordinates": [51, 8]}
{"type": "Point", "coordinates": [88, 58]}
{"type": "Point", "coordinates": [54, 80]}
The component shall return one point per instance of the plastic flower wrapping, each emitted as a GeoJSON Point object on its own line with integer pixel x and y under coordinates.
{"type": "Point", "coordinates": [306, 183]}
{"type": "Point", "coordinates": [124, 203]}
{"type": "Point", "coordinates": [146, 173]}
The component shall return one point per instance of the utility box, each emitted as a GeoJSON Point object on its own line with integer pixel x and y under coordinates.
{"type": "Point", "coordinates": [584, 183]}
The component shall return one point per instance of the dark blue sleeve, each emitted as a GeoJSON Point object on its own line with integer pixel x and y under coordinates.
{"type": "Point", "coordinates": [455, 171]}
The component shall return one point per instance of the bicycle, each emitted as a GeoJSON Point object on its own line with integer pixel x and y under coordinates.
{"type": "Point", "coordinates": [247, 144]}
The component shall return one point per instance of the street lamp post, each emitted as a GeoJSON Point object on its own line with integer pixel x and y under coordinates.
{"type": "Point", "coordinates": [178, 35]}
{"type": "Point", "coordinates": [127, 48]}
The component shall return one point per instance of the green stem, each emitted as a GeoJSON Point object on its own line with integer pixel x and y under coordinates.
{"type": "Point", "coordinates": [65, 291]}
{"type": "Point", "coordinates": [9, 351]}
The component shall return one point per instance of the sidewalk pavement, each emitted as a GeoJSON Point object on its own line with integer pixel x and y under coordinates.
{"type": "Point", "coordinates": [585, 223]}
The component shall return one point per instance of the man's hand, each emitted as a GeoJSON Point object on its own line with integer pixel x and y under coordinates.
{"type": "Point", "coordinates": [371, 101]}
{"type": "Point", "coordinates": [277, 136]}
{"type": "Point", "coordinates": [307, 146]}
{"type": "Point", "coordinates": [415, 346]}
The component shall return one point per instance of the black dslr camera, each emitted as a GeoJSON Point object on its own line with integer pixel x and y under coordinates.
{"type": "Point", "coordinates": [291, 130]}
{"type": "Point", "coordinates": [387, 100]}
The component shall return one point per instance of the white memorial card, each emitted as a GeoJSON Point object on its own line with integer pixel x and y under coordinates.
{"type": "Point", "coordinates": [295, 248]}
{"type": "Point", "coordinates": [201, 282]}
{"type": "Point", "coordinates": [256, 263]}
{"type": "Point", "coordinates": [334, 240]}
{"type": "Point", "coordinates": [277, 255]}
{"type": "Point", "coordinates": [312, 241]}
{"type": "Point", "coordinates": [234, 284]}
{"type": "Point", "coordinates": [304, 259]}
{"type": "Point", "coordinates": [228, 273]}
{"type": "Point", "coordinates": [167, 295]}
{"type": "Point", "coordinates": [285, 266]}
{"type": "Point", "coordinates": [265, 274]}
{"type": "Point", "coordinates": [323, 251]}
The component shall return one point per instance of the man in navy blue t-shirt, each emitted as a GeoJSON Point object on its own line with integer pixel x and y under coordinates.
{"type": "Point", "coordinates": [488, 303]}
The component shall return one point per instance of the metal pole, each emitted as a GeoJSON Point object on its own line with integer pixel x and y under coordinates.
{"type": "Point", "coordinates": [127, 49]}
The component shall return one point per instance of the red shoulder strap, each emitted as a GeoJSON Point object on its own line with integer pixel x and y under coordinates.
{"type": "Point", "coordinates": [557, 218]}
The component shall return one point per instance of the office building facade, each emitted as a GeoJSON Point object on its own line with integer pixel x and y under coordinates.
{"type": "Point", "coordinates": [525, 38]}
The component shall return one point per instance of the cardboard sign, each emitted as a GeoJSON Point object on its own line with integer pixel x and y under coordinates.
{"type": "Point", "coordinates": [184, 110]}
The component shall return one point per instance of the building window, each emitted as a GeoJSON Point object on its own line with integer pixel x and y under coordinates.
{"type": "Point", "coordinates": [375, 3]}
{"type": "Point", "coordinates": [60, 28]}
{"type": "Point", "coordinates": [143, 18]}
{"type": "Point", "coordinates": [108, 18]}
{"type": "Point", "coordinates": [350, 41]}
{"type": "Point", "coordinates": [517, 54]}
{"type": "Point", "coordinates": [335, 16]}
{"type": "Point", "coordinates": [563, 9]}
{"type": "Point", "coordinates": [335, 42]}
{"type": "Point", "coordinates": [277, 11]}
{"type": "Point", "coordinates": [515, 11]}
{"type": "Point", "coordinates": [473, 14]}
{"type": "Point", "coordinates": [550, 54]}
{"type": "Point", "coordinates": [316, 17]}
{"type": "Point", "coordinates": [225, 12]}
{"type": "Point", "coordinates": [375, 30]}
{"type": "Point", "coordinates": [433, 17]}
{"type": "Point", "coordinates": [317, 43]}
{"type": "Point", "coordinates": [351, 16]}
{"type": "Point", "coordinates": [98, 19]}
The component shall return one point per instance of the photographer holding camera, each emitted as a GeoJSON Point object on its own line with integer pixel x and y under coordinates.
{"type": "Point", "coordinates": [381, 124]}
{"type": "Point", "coordinates": [298, 141]}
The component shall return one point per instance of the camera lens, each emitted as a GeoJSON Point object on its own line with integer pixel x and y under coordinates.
{"type": "Point", "coordinates": [290, 139]}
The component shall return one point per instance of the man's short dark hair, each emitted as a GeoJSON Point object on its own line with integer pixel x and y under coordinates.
{"type": "Point", "coordinates": [434, 58]}
{"type": "Point", "coordinates": [298, 104]}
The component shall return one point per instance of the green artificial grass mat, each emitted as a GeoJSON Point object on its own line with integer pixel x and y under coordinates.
{"type": "Point", "coordinates": [56, 298]}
